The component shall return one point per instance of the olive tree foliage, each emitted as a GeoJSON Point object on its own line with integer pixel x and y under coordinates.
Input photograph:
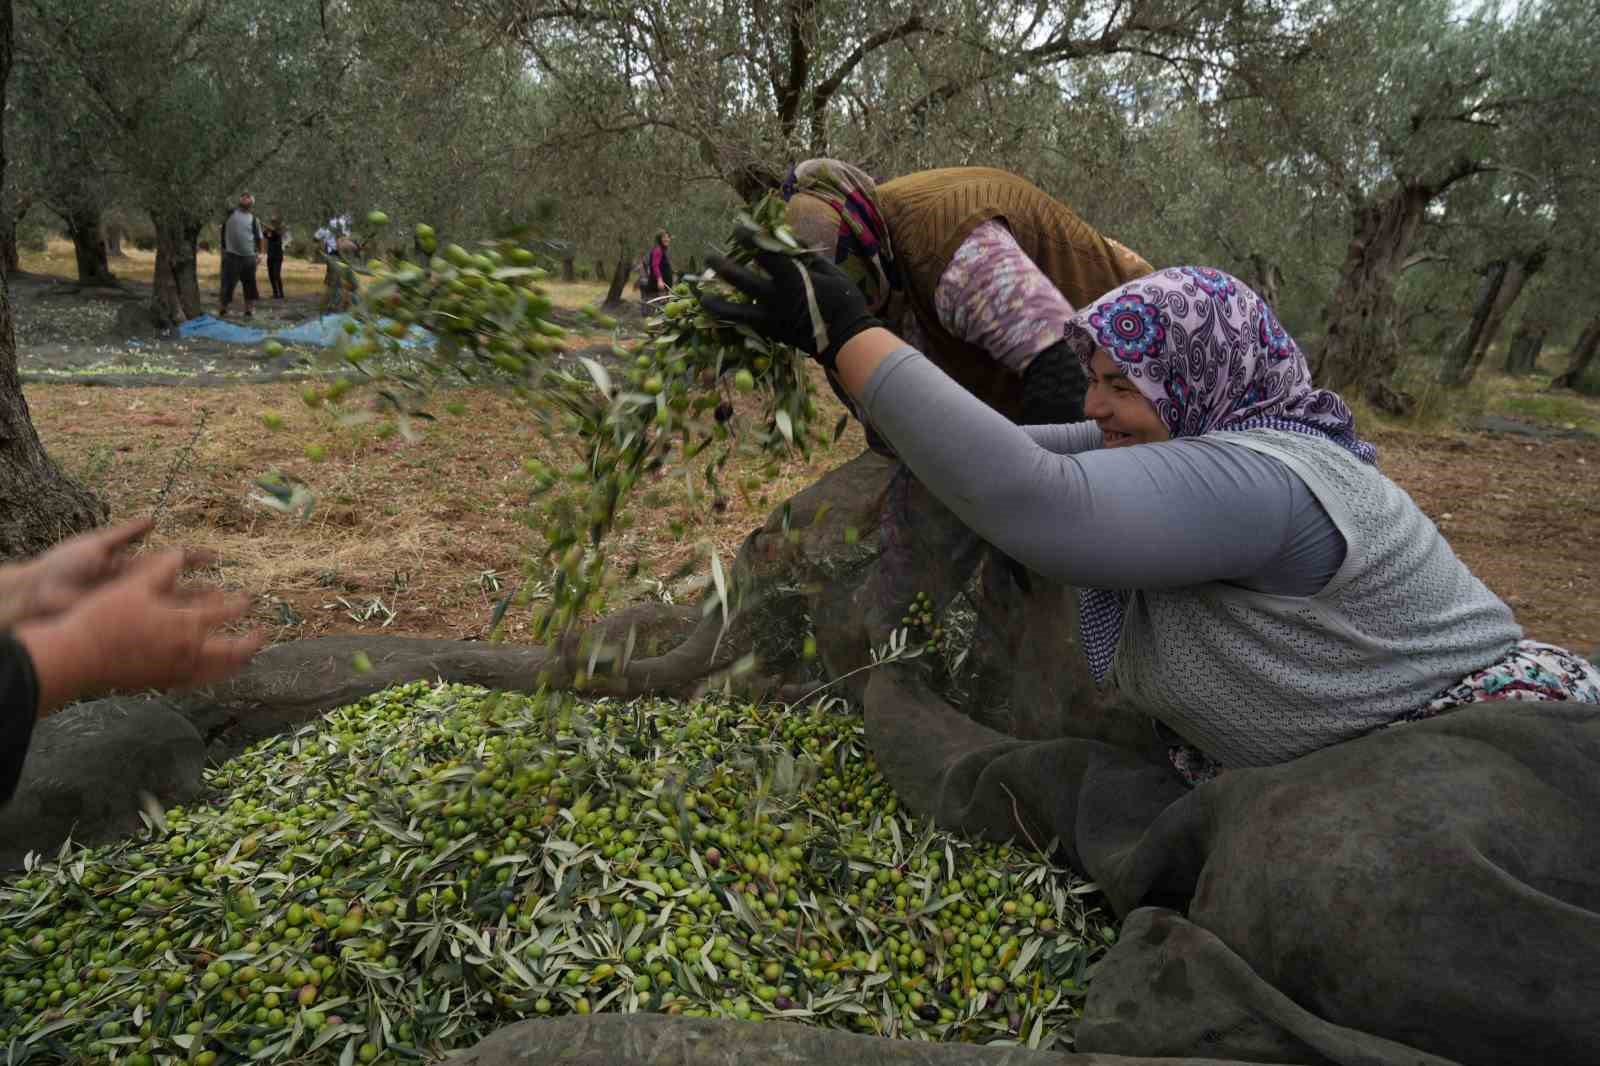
{"type": "Point", "coordinates": [1395, 108]}
{"type": "Point", "coordinates": [59, 163]}
{"type": "Point", "coordinates": [39, 505]}
{"type": "Point", "coordinates": [1561, 152]}
{"type": "Point", "coordinates": [189, 98]}
{"type": "Point", "coordinates": [427, 123]}
{"type": "Point", "coordinates": [1158, 163]}
{"type": "Point", "coordinates": [746, 87]}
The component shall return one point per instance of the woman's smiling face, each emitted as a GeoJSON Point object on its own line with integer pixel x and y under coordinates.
{"type": "Point", "coordinates": [1115, 403]}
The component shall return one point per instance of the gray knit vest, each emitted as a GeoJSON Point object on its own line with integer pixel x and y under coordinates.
{"type": "Point", "coordinates": [1254, 679]}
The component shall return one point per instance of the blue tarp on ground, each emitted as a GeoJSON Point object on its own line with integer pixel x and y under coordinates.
{"type": "Point", "coordinates": [217, 329]}
{"type": "Point", "coordinates": [322, 332]}
{"type": "Point", "coordinates": [326, 331]}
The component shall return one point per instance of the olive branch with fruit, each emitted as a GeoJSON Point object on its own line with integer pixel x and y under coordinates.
{"type": "Point", "coordinates": [662, 406]}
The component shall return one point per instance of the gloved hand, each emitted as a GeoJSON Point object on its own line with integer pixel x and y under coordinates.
{"type": "Point", "coordinates": [1053, 388]}
{"type": "Point", "coordinates": [803, 301]}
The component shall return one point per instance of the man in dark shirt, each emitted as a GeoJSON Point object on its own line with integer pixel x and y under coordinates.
{"type": "Point", "coordinates": [86, 618]}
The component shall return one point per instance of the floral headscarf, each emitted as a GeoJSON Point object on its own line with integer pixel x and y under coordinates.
{"type": "Point", "coordinates": [859, 238]}
{"type": "Point", "coordinates": [1210, 355]}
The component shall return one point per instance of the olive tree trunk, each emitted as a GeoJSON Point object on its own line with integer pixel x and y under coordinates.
{"type": "Point", "coordinates": [1526, 344]}
{"type": "Point", "coordinates": [1504, 281]}
{"type": "Point", "coordinates": [115, 232]}
{"type": "Point", "coordinates": [88, 245]}
{"type": "Point", "coordinates": [1582, 357]}
{"type": "Point", "coordinates": [13, 209]}
{"type": "Point", "coordinates": [177, 287]}
{"type": "Point", "coordinates": [1522, 270]}
{"type": "Point", "coordinates": [1457, 368]}
{"type": "Point", "coordinates": [1361, 350]}
{"type": "Point", "coordinates": [619, 280]}
{"type": "Point", "coordinates": [38, 504]}
{"type": "Point", "coordinates": [1265, 278]}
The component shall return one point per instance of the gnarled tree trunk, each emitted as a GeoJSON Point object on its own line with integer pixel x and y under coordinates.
{"type": "Point", "coordinates": [1458, 362]}
{"type": "Point", "coordinates": [1526, 344]}
{"type": "Point", "coordinates": [13, 209]}
{"type": "Point", "coordinates": [38, 504]}
{"type": "Point", "coordinates": [1361, 350]}
{"type": "Point", "coordinates": [177, 286]}
{"type": "Point", "coordinates": [1582, 356]}
{"type": "Point", "coordinates": [1521, 271]}
{"type": "Point", "coordinates": [1508, 280]}
{"type": "Point", "coordinates": [1265, 278]}
{"type": "Point", "coordinates": [619, 278]}
{"type": "Point", "coordinates": [88, 245]}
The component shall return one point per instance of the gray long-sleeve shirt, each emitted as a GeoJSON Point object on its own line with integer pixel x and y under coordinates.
{"type": "Point", "coordinates": [1185, 512]}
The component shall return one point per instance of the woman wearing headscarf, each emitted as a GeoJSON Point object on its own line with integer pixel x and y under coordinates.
{"type": "Point", "coordinates": [979, 270]}
{"type": "Point", "coordinates": [1251, 578]}
{"type": "Point", "coordinates": [1358, 884]}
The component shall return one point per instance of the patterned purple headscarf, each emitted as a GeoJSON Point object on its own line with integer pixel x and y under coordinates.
{"type": "Point", "coordinates": [1210, 355]}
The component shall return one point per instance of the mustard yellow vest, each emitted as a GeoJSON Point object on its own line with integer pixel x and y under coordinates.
{"type": "Point", "coordinates": [931, 212]}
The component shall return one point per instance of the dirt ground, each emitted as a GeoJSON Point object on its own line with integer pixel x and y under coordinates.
{"type": "Point", "coordinates": [424, 538]}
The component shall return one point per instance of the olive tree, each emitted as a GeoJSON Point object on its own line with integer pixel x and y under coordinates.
{"type": "Point", "coordinates": [190, 99]}
{"type": "Point", "coordinates": [1393, 106]}
{"type": "Point", "coordinates": [38, 504]}
{"type": "Point", "coordinates": [746, 86]}
{"type": "Point", "coordinates": [65, 166]}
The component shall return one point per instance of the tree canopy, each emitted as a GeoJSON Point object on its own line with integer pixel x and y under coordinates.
{"type": "Point", "coordinates": [1403, 180]}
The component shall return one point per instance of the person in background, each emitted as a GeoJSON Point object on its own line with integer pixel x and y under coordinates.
{"type": "Point", "coordinates": [656, 278]}
{"type": "Point", "coordinates": [241, 252]}
{"type": "Point", "coordinates": [276, 234]}
{"type": "Point", "coordinates": [338, 249]}
{"type": "Point", "coordinates": [85, 618]}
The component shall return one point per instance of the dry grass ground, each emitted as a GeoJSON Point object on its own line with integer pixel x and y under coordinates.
{"type": "Point", "coordinates": [429, 531]}
{"type": "Point", "coordinates": [301, 278]}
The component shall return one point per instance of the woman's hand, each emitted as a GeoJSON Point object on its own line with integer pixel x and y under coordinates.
{"type": "Point", "coordinates": [137, 631]}
{"type": "Point", "coordinates": [802, 301]}
{"type": "Point", "coordinates": [55, 581]}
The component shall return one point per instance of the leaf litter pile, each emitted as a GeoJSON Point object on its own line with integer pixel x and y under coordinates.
{"type": "Point", "coordinates": [426, 865]}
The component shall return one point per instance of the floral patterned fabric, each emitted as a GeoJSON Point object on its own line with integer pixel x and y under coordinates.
{"type": "Point", "coordinates": [1210, 355]}
{"type": "Point", "coordinates": [1533, 672]}
{"type": "Point", "coordinates": [993, 296]}
{"type": "Point", "coordinates": [862, 247]}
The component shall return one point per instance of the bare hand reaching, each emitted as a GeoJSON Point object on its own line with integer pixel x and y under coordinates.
{"type": "Point", "coordinates": [138, 630]}
{"type": "Point", "coordinates": [66, 573]}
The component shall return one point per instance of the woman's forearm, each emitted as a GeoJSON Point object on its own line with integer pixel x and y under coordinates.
{"type": "Point", "coordinates": [1179, 513]}
{"type": "Point", "coordinates": [862, 355]}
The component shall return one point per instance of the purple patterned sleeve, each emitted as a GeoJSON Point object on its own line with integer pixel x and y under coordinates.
{"type": "Point", "coordinates": [993, 296]}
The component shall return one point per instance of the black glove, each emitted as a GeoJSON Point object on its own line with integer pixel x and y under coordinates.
{"type": "Point", "coordinates": [1053, 387]}
{"type": "Point", "coordinates": [803, 301]}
